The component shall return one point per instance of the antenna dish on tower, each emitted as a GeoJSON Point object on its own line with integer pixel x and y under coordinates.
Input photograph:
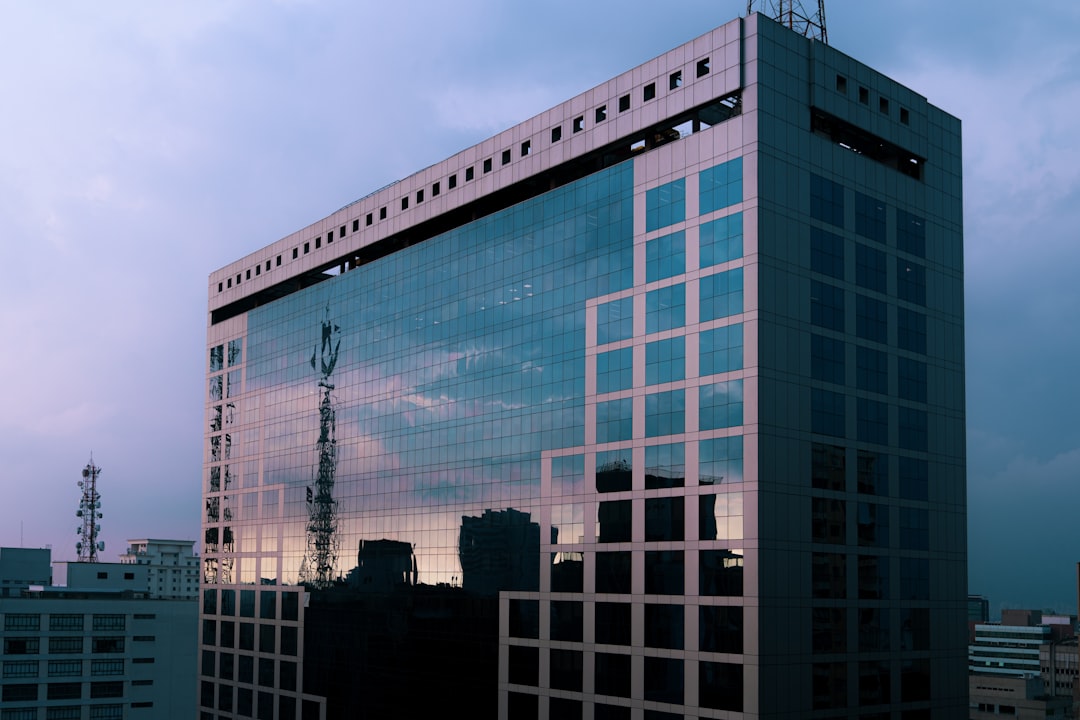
{"type": "Point", "coordinates": [792, 15]}
{"type": "Point", "coordinates": [89, 544]}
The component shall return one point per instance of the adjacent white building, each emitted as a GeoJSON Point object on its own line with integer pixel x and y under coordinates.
{"type": "Point", "coordinates": [100, 648]}
{"type": "Point", "coordinates": [172, 565]}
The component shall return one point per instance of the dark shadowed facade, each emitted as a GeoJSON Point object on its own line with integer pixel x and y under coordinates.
{"type": "Point", "coordinates": [651, 406]}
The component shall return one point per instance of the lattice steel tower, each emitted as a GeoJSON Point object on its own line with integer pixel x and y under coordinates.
{"type": "Point", "coordinates": [792, 15]}
{"type": "Point", "coordinates": [90, 512]}
{"type": "Point", "coordinates": [322, 540]}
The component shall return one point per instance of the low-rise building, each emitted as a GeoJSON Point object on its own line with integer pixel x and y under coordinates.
{"type": "Point", "coordinates": [100, 647]}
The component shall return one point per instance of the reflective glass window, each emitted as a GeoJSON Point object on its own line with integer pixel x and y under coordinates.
{"type": "Point", "coordinates": [828, 576]}
{"type": "Point", "coordinates": [828, 685]}
{"type": "Point", "coordinates": [663, 678]}
{"type": "Point", "coordinates": [873, 577]}
{"type": "Point", "coordinates": [665, 519]}
{"type": "Point", "coordinates": [827, 467]}
{"type": "Point", "coordinates": [911, 377]}
{"type": "Point", "coordinates": [826, 253]}
{"type": "Point", "coordinates": [721, 185]}
{"type": "Point", "coordinates": [665, 256]}
{"type": "Point", "coordinates": [826, 306]}
{"type": "Point", "coordinates": [914, 628]}
{"type": "Point", "coordinates": [874, 629]}
{"type": "Point", "coordinates": [665, 308]}
{"type": "Point", "coordinates": [720, 516]}
{"type": "Point", "coordinates": [720, 405]}
{"type": "Point", "coordinates": [523, 665]}
{"type": "Point", "coordinates": [873, 421]}
{"type": "Point", "coordinates": [913, 475]}
{"type": "Point", "coordinates": [720, 628]}
{"type": "Point", "coordinates": [720, 460]}
{"type": "Point", "coordinates": [613, 573]}
{"type": "Point", "coordinates": [615, 370]}
{"type": "Point", "coordinates": [874, 682]}
{"type": "Point", "coordinates": [720, 572]}
{"type": "Point", "coordinates": [828, 520]}
{"type": "Point", "coordinates": [720, 685]}
{"type": "Point", "coordinates": [721, 350]}
{"type": "Point", "coordinates": [665, 413]}
{"type": "Point", "coordinates": [910, 233]}
{"type": "Point", "coordinates": [567, 475]}
{"type": "Point", "coordinates": [613, 521]}
{"type": "Point", "coordinates": [664, 572]}
{"type": "Point", "coordinates": [914, 528]}
{"type": "Point", "coordinates": [827, 412]}
{"type": "Point", "coordinates": [911, 281]}
{"type": "Point", "coordinates": [721, 295]}
{"type": "Point", "coordinates": [720, 240]}
{"type": "Point", "coordinates": [567, 620]}
{"type": "Point", "coordinates": [665, 361]}
{"type": "Point", "coordinates": [914, 578]}
{"type": "Point", "coordinates": [665, 466]}
{"type": "Point", "coordinates": [665, 205]}
{"type": "Point", "coordinates": [872, 525]}
{"type": "Point", "coordinates": [911, 330]}
{"type": "Point", "coordinates": [872, 473]}
{"type": "Point", "coordinates": [612, 674]}
{"type": "Point", "coordinates": [565, 667]}
{"type": "Point", "coordinates": [827, 361]}
{"type": "Point", "coordinates": [614, 470]}
{"type": "Point", "coordinates": [613, 623]}
{"type": "Point", "coordinates": [828, 630]}
{"type": "Point", "coordinates": [826, 201]}
{"type": "Point", "coordinates": [913, 429]}
{"type": "Point", "coordinates": [614, 420]}
{"type": "Point", "coordinates": [870, 217]}
{"type": "Point", "coordinates": [615, 320]}
{"type": "Point", "coordinates": [524, 618]}
{"type": "Point", "coordinates": [871, 370]}
{"type": "Point", "coordinates": [870, 271]}
{"type": "Point", "coordinates": [871, 319]}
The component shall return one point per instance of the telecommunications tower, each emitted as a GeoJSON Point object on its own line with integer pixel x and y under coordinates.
{"type": "Point", "coordinates": [90, 512]}
{"type": "Point", "coordinates": [792, 15]}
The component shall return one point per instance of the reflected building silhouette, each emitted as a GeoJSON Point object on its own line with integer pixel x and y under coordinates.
{"type": "Point", "coordinates": [383, 565]}
{"type": "Point", "coordinates": [500, 550]}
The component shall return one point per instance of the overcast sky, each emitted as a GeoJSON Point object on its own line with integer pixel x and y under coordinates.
{"type": "Point", "coordinates": [145, 144]}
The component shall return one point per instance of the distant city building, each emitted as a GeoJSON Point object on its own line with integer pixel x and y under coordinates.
{"type": "Point", "coordinates": [649, 406]}
{"type": "Point", "coordinates": [1060, 665]}
{"type": "Point", "coordinates": [1019, 697]}
{"type": "Point", "coordinates": [1007, 649]}
{"type": "Point", "coordinates": [99, 648]}
{"type": "Point", "coordinates": [173, 566]}
{"type": "Point", "coordinates": [978, 609]}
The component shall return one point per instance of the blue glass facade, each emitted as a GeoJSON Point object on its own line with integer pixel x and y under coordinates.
{"type": "Point", "coordinates": [650, 441]}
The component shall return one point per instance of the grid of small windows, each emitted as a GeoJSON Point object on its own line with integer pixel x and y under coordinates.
{"type": "Point", "coordinates": [106, 712]}
{"type": "Point", "coordinates": [720, 460]}
{"type": "Point", "coordinates": [665, 205]}
{"type": "Point", "coordinates": [665, 308]}
{"type": "Point", "coordinates": [721, 295]}
{"type": "Point", "coordinates": [911, 282]}
{"type": "Point", "coordinates": [20, 668]}
{"type": "Point", "coordinates": [870, 270]}
{"type": "Point", "coordinates": [827, 359]}
{"type": "Point", "coordinates": [871, 370]}
{"type": "Point", "coordinates": [827, 412]}
{"type": "Point", "coordinates": [61, 645]}
{"type": "Point", "coordinates": [871, 319]}
{"type": "Point", "coordinates": [721, 350]}
{"type": "Point", "coordinates": [826, 200]}
{"type": "Point", "coordinates": [826, 253]}
{"type": "Point", "coordinates": [22, 621]}
{"type": "Point", "coordinates": [665, 360]}
{"type": "Point", "coordinates": [870, 217]}
{"type": "Point", "coordinates": [63, 713]}
{"type": "Point", "coordinates": [720, 240]}
{"type": "Point", "coordinates": [615, 321]}
{"type": "Point", "coordinates": [720, 405]}
{"type": "Point", "coordinates": [107, 667]}
{"type": "Point", "coordinates": [911, 330]}
{"type": "Point", "coordinates": [873, 421]}
{"type": "Point", "coordinates": [826, 306]}
{"type": "Point", "coordinates": [65, 622]}
{"type": "Point", "coordinates": [910, 233]}
{"type": "Point", "coordinates": [21, 713]}
{"type": "Point", "coordinates": [665, 413]}
{"type": "Point", "coordinates": [109, 622]}
{"type": "Point", "coordinates": [720, 186]}
{"type": "Point", "coordinates": [614, 420]}
{"type": "Point", "coordinates": [614, 370]}
{"type": "Point", "coordinates": [665, 256]}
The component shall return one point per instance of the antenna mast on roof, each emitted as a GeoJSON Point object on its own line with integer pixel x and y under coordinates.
{"type": "Point", "coordinates": [89, 512]}
{"type": "Point", "coordinates": [792, 15]}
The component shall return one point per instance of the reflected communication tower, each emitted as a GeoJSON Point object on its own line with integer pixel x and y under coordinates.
{"type": "Point", "coordinates": [90, 512]}
{"type": "Point", "coordinates": [792, 15]}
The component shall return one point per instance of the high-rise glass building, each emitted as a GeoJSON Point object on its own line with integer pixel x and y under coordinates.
{"type": "Point", "coordinates": [651, 406]}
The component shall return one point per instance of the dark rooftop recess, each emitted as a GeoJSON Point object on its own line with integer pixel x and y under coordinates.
{"type": "Point", "coordinates": [862, 142]}
{"type": "Point", "coordinates": [698, 118]}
